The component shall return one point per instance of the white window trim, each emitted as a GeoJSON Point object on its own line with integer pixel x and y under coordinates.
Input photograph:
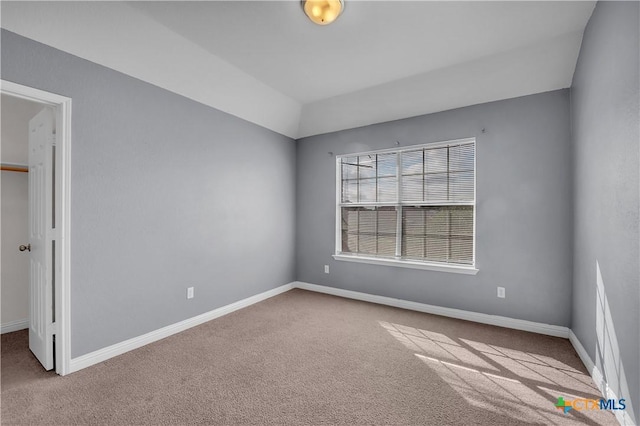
{"type": "Point", "coordinates": [404, 263]}
{"type": "Point", "coordinates": [430, 266]}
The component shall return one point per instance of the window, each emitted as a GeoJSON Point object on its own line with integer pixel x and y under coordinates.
{"type": "Point", "coordinates": [413, 206]}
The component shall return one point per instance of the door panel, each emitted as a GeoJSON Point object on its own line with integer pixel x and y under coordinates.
{"type": "Point", "coordinates": [41, 139]}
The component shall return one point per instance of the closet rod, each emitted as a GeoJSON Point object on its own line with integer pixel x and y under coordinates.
{"type": "Point", "coordinates": [14, 168]}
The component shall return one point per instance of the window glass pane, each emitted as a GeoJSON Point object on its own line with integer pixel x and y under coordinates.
{"type": "Point", "coordinates": [387, 189]}
{"type": "Point", "coordinates": [435, 160]}
{"type": "Point", "coordinates": [435, 187]}
{"type": "Point", "coordinates": [412, 163]}
{"type": "Point", "coordinates": [437, 221]}
{"type": "Point", "coordinates": [461, 186]}
{"type": "Point", "coordinates": [437, 248]}
{"type": "Point", "coordinates": [462, 250]}
{"type": "Point", "coordinates": [367, 166]}
{"type": "Point", "coordinates": [349, 191]}
{"type": "Point", "coordinates": [367, 190]}
{"type": "Point", "coordinates": [350, 168]}
{"type": "Point", "coordinates": [351, 243]}
{"type": "Point", "coordinates": [349, 230]}
{"type": "Point", "coordinates": [387, 164]}
{"type": "Point", "coordinates": [386, 245]}
{"type": "Point", "coordinates": [429, 232]}
{"type": "Point", "coordinates": [413, 246]}
{"type": "Point", "coordinates": [462, 221]}
{"type": "Point", "coordinates": [369, 230]}
{"type": "Point", "coordinates": [367, 221]}
{"type": "Point", "coordinates": [369, 178]}
{"type": "Point", "coordinates": [350, 217]}
{"type": "Point", "coordinates": [412, 171]}
{"type": "Point", "coordinates": [387, 222]}
{"type": "Point", "coordinates": [413, 221]}
{"type": "Point", "coordinates": [367, 244]}
{"type": "Point", "coordinates": [461, 157]}
{"type": "Point", "coordinates": [412, 188]}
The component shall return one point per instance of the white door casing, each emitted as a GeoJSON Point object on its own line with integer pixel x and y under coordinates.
{"type": "Point", "coordinates": [41, 233]}
{"type": "Point", "coordinates": [62, 262]}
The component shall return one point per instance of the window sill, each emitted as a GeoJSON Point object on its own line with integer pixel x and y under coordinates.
{"type": "Point", "coordinates": [441, 267]}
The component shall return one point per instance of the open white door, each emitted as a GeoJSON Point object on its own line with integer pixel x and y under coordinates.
{"type": "Point", "coordinates": [41, 142]}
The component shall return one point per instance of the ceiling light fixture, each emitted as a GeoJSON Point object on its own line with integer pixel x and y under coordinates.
{"type": "Point", "coordinates": [322, 12]}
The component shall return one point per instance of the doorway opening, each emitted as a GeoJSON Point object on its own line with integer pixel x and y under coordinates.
{"type": "Point", "coordinates": [46, 248]}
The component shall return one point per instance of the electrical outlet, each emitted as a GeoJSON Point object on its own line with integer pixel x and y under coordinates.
{"type": "Point", "coordinates": [190, 293]}
{"type": "Point", "coordinates": [501, 292]}
{"type": "Point", "coordinates": [326, 269]}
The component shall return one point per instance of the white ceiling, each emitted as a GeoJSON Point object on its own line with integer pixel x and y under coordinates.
{"type": "Point", "coordinates": [265, 62]}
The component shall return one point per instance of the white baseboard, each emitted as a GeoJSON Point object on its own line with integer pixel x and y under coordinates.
{"type": "Point", "coordinates": [15, 325]}
{"type": "Point", "coordinates": [623, 416]}
{"type": "Point", "coordinates": [535, 327]}
{"type": "Point", "coordinates": [584, 356]}
{"type": "Point", "coordinates": [104, 354]}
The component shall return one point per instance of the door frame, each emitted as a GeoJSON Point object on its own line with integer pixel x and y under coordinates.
{"type": "Point", "coordinates": [62, 185]}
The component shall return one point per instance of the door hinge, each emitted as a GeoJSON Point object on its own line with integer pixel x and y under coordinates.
{"type": "Point", "coordinates": [52, 328]}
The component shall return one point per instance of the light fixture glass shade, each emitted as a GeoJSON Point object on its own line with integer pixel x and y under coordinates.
{"type": "Point", "coordinates": [322, 12]}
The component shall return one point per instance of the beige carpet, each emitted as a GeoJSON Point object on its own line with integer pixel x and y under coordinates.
{"type": "Point", "coordinates": [307, 358]}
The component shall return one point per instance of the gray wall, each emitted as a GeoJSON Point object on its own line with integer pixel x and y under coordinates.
{"type": "Point", "coordinates": [523, 209]}
{"type": "Point", "coordinates": [166, 193]}
{"type": "Point", "coordinates": [605, 127]}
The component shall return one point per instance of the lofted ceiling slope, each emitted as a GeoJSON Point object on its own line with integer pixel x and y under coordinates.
{"type": "Point", "coordinates": [265, 62]}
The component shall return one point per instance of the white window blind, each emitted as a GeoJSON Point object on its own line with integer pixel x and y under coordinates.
{"type": "Point", "coordinates": [415, 203]}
